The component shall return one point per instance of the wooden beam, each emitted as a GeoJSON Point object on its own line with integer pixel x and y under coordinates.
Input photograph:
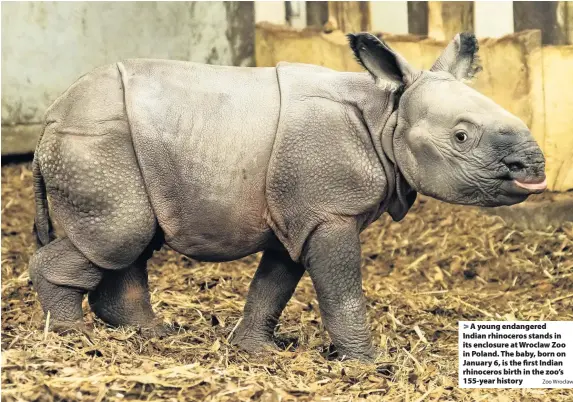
{"type": "Point", "coordinates": [447, 18]}
{"type": "Point", "coordinates": [350, 16]}
{"type": "Point", "coordinates": [543, 15]}
{"type": "Point", "coordinates": [418, 18]}
{"type": "Point", "coordinates": [567, 7]}
{"type": "Point", "coordinates": [316, 13]}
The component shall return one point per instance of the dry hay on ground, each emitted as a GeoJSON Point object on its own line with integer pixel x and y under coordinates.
{"type": "Point", "coordinates": [441, 264]}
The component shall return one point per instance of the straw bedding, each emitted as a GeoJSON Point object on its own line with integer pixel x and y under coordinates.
{"type": "Point", "coordinates": [441, 264]}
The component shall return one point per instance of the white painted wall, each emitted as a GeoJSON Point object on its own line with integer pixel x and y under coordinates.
{"type": "Point", "coordinates": [298, 19]}
{"type": "Point", "coordinates": [275, 12]}
{"type": "Point", "coordinates": [493, 18]}
{"type": "Point", "coordinates": [389, 16]}
{"type": "Point", "coordinates": [46, 46]}
{"type": "Point", "coordinates": [270, 11]}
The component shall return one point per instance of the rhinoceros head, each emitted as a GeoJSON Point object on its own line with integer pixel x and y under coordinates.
{"type": "Point", "coordinates": [451, 142]}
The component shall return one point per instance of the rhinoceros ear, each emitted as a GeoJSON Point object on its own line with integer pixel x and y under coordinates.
{"type": "Point", "coordinates": [381, 62]}
{"type": "Point", "coordinates": [460, 57]}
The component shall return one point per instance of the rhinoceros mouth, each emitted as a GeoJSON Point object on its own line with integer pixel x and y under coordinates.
{"type": "Point", "coordinates": [534, 187]}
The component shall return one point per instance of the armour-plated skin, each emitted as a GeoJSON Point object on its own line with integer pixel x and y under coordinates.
{"type": "Point", "coordinates": [294, 161]}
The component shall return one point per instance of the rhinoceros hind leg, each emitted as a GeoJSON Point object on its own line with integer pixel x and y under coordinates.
{"type": "Point", "coordinates": [122, 299]}
{"type": "Point", "coordinates": [272, 287]}
{"type": "Point", "coordinates": [61, 276]}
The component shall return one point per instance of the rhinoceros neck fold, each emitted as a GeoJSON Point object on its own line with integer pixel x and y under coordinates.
{"type": "Point", "coordinates": [402, 196]}
{"type": "Point", "coordinates": [380, 113]}
{"type": "Point", "coordinates": [387, 137]}
{"type": "Point", "coordinates": [377, 106]}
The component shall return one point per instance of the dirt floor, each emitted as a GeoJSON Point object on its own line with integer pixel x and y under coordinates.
{"type": "Point", "coordinates": [441, 264]}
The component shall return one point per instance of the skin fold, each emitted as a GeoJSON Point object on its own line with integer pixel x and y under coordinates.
{"type": "Point", "coordinates": [294, 161]}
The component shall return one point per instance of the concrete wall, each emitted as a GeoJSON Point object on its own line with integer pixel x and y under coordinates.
{"type": "Point", "coordinates": [46, 46]}
{"type": "Point", "coordinates": [531, 81]}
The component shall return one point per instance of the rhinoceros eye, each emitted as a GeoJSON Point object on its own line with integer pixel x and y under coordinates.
{"type": "Point", "coordinates": [461, 136]}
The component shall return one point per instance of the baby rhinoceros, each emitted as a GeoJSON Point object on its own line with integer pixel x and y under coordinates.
{"type": "Point", "coordinates": [294, 161]}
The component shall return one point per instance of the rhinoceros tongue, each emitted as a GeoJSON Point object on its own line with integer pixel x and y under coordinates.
{"type": "Point", "coordinates": [532, 186]}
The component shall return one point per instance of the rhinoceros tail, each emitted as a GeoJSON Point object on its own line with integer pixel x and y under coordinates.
{"type": "Point", "coordinates": [43, 228]}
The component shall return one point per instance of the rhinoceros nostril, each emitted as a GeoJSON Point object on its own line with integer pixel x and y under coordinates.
{"type": "Point", "coordinates": [515, 166]}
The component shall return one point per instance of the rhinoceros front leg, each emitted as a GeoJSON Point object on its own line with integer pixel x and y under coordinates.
{"type": "Point", "coordinates": [332, 258]}
{"type": "Point", "coordinates": [272, 287]}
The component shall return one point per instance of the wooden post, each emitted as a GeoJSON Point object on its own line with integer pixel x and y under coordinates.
{"type": "Point", "coordinates": [418, 18]}
{"type": "Point", "coordinates": [350, 16]}
{"type": "Point", "coordinates": [316, 13]}
{"type": "Point", "coordinates": [566, 9]}
{"type": "Point", "coordinates": [295, 14]}
{"type": "Point", "coordinates": [551, 17]}
{"type": "Point", "coordinates": [447, 18]}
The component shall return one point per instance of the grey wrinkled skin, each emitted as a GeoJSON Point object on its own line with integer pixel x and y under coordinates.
{"type": "Point", "coordinates": [295, 161]}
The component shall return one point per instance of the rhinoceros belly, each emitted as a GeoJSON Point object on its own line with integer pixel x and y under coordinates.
{"type": "Point", "coordinates": [203, 136]}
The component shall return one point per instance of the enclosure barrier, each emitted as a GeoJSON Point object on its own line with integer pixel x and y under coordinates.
{"type": "Point", "coordinates": [530, 80]}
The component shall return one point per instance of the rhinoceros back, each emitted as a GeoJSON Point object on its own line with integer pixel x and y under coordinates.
{"type": "Point", "coordinates": [203, 136]}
